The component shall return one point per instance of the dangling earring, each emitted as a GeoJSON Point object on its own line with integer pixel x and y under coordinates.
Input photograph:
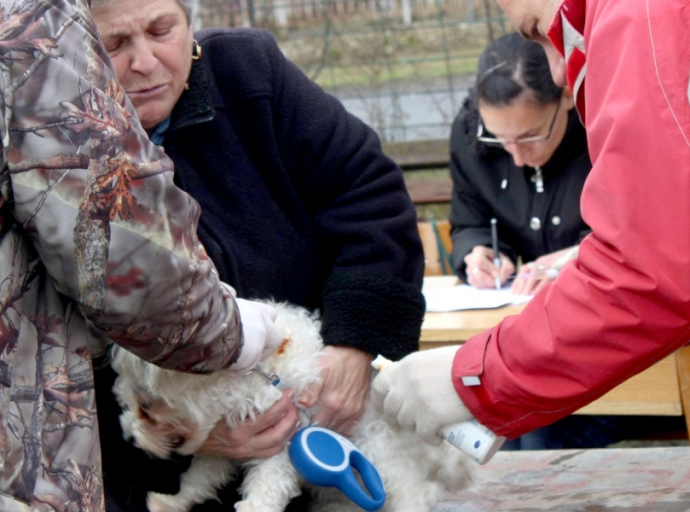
{"type": "Point", "coordinates": [196, 50]}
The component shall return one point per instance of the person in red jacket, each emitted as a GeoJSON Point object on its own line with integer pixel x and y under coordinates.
{"type": "Point", "coordinates": [624, 303]}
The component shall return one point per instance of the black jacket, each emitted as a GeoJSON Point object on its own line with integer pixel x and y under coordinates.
{"type": "Point", "coordinates": [298, 201]}
{"type": "Point", "coordinates": [530, 224]}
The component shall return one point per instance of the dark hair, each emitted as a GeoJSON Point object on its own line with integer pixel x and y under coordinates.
{"type": "Point", "coordinates": [511, 66]}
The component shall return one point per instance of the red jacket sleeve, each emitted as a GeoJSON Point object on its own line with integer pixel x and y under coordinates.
{"type": "Point", "coordinates": [625, 302]}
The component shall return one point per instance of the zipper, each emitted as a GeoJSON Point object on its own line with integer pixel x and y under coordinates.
{"type": "Point", "coordinates": [187, 124]}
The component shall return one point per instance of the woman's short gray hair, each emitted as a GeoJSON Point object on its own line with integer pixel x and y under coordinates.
{"type": "Point", "coordinates": [188, 6]}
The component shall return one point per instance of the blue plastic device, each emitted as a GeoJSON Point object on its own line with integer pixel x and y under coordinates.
{"type": "Point", "coordinates": [324, 457]}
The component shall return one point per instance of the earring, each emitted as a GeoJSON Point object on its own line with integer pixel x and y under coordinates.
{"type": "Point", "coordinates": [196, 50]}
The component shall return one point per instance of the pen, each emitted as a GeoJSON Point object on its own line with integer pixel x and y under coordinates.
{"type": "Point", "coordinates": [497, 257]}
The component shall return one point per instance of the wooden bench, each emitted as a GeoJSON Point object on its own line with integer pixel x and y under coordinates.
{"type": "Point", "coordinates": [419, 154]}
{"type": "Point", "coordinates": [417, 159]}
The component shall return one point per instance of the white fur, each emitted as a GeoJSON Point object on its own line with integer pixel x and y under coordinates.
{"type": "Point", "coordinates": [179, 410]}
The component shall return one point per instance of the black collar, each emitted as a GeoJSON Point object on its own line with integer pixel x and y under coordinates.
{"type": "Point", "coordinates": [196, 104]}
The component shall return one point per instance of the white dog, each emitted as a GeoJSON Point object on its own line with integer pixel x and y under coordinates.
{"type": "Point", "coordinates": [166, 412]}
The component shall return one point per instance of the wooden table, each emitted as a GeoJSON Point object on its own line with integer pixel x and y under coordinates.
{"type": "Point", "coordinates": [458, 326]}
{"type": "Point", "coordinates": [656, 391]}
{"type": "Point", "coordinates": [615, 479]}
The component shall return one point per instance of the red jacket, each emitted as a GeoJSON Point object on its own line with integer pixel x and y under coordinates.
{"type": "Point", "coordinates": [625, 303]}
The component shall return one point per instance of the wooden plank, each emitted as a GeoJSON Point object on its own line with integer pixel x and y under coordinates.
{"type": "Point", "coordinates": [655, 392]}
{"type": "Point", "coordinates": [683, 367]}
{"type": "Point", "coordinates": [419, 154]}
{"type": "Point", "coordinates": [435, 190]}
{"type": "Point", "coordinates": [459, 326]}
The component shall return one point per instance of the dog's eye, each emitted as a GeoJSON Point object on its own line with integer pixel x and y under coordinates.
{"type": "Point", "coordinates": [177, 442]}
{"type": "Point", "coordinates": [146, 416]}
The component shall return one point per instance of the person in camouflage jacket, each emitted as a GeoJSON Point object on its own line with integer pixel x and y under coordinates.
{"type": "Point", "coordinates": [96, 246]}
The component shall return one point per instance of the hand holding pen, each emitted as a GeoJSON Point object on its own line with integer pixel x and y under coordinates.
{"type": "Point", "coordinates": [482, 272]}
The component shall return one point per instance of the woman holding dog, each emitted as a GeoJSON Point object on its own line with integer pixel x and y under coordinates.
{"type": "Point", "coordinates": [298, 204]}
{"type": "Point", "coordinates": [518, 155]}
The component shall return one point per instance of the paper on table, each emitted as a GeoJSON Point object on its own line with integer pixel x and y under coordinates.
{"type": "Point", "coordinates": [463, 296]}
{"type": "Point", "coordinates": [440, 282]}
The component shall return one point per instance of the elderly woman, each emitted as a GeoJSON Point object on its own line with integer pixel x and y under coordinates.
{"type": "Point", "coordinates": [298, 203]}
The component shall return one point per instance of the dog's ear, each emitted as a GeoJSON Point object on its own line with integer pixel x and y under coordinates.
{"type": "Point", "coordinates": [145, 401]}
{"type": "Point", "coordinates": [149, 408]}
{"type": "Point", "coordinates": [161, 431]}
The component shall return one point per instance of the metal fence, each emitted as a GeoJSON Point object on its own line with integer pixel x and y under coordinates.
{"type": "Point", "coordinates": [403, 66]}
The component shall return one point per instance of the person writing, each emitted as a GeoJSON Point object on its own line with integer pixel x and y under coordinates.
{"type": "Point", "coordinates": [298, 203]}
{"type": "Point", "coordinates": [518, 154]}
{"type": "Point", "coordinates": [97, 246]}
{"type": "Point", "coordinates": [623, 304]}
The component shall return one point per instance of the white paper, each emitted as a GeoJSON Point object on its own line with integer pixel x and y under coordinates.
{"type": "Point", "coordinates": [463, 296]}
{"type": "Point", "coordinates": [440, 282]}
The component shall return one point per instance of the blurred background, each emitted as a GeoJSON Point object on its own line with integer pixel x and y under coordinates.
{"type": "Point", "coordinates": [402, 66]}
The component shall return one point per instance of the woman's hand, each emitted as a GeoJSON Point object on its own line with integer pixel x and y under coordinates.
{"type": "Point", "coordinates": [481, 271]}
{"type": "Point", "coordinates": [262, 438]}
{"type": "Point", "coordinates": [343, 390]}
{"type": "Point", "coordinates": [534, 276]}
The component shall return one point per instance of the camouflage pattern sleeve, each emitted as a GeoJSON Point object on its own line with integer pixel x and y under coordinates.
{"type": "Point", "coordinates": [96, 245]}
{"type": "Point", "coordinates": [97, 199]}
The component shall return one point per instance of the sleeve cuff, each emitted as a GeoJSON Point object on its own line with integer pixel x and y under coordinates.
{"type": "Point", "coordinates": [375, 313]}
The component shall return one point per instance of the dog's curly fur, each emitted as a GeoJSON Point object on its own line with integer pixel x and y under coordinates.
{"type": "Point", "coordinates": [166, 412]}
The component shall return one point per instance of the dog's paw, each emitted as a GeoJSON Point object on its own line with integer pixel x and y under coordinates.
{"type": "Point", "coordinates": [156, 502]}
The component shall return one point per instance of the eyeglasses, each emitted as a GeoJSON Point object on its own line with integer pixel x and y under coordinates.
{"type": "Point", "coordinates": [535, 140]}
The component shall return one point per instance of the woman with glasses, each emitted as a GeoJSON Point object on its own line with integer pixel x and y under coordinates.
{"type": "Point", "coordinates": [519, 155]}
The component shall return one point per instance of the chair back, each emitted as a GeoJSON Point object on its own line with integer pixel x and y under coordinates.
{"type": "Point", "coordinates": [437, 245]}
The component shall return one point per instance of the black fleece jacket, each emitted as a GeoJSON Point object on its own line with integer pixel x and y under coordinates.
{"type": "Point", "coordinates": [298, 201]}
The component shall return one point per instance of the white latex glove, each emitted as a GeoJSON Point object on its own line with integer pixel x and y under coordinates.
{"type": "Point", "coordinates": [417, 392]}
{"type": "Point", "coordinates": [261, 336]}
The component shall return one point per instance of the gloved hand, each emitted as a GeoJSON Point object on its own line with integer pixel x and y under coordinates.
{"type": "Point", "coordinates": [261, 336]}
{"type": "Point", "coordinates": [417, 392]}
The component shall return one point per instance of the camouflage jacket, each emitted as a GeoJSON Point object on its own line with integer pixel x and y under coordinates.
{"type": "Point", "coordinates": [96, 246]}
